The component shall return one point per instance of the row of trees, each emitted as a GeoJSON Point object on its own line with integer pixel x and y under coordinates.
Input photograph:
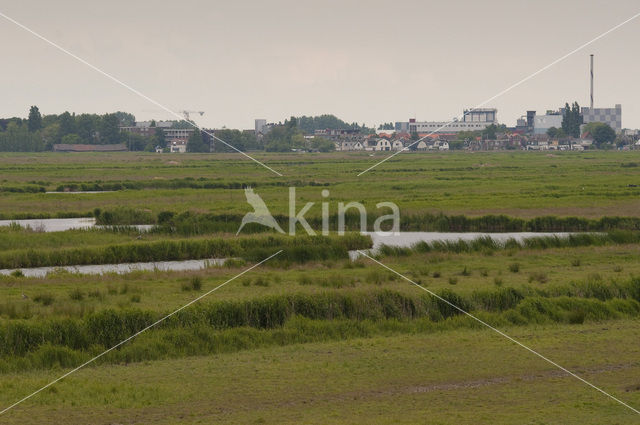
{"type": "Point", "coordinates": [321, 122]}
{"type": "Point", "coordinates": [38, 132]}
{"type": "Point", "coordinates": [488, 133]}
{"type": "Point", "coordinates": [290, 136]}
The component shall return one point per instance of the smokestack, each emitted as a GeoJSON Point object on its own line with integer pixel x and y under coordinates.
{"type": "Point", "coordinates": [591, 82]}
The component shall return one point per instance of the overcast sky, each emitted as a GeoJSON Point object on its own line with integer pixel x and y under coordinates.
{"type": "Point", "coordinates": [371, 62]}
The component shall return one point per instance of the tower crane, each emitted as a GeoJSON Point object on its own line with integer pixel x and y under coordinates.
{"type": "Point", "coordinates": [186, 114]}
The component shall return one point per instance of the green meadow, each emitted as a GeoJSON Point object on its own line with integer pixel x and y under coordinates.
{"type": "Point", "coordinates": [313, 336]}
{"type": "Point", "coordinates": [518, 184]}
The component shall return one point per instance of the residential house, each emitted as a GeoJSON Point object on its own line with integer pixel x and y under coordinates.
{"type": "Point", "coordinates": [397, 145]}
{"type": "Point", "coordinates": [382, 145]}
{"type": "Point", "coordinates": [349, 145]}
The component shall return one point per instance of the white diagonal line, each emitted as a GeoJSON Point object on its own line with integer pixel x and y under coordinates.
{"type": "Point", "coordinates": [508, 89]}
{"type": "Point", "coordinates": [131, 89]}
{"type": "Point", "coordinates": [499, 332]}
{"type": "Point", "coordinates": [138, 333]}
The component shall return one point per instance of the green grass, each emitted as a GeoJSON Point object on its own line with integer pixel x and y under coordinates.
{"type": "Point", "coordinates": [520, 184]}
{"type": "Point", "coordinates": [462, 376]}
{"type": "Point", "coordinates": [608, 264]}
{"type": "Point", "coordinates": [549, 289]}
{"type": "Point", "coordinates": [313, 337]}
{"type": "Point", "coordinates": [296, 249]}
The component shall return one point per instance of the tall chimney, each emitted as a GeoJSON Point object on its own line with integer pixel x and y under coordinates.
{"type": "Point", "coordinates": [591, 82]}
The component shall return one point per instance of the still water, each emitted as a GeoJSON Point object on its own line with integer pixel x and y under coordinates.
{"type": "Point", "coordinates": [62, 224]}
{"type": "Point", "coordinates": [121, 268]}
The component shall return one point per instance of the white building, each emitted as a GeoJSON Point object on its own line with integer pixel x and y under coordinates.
{"type": "Point", "coordinates": [178, 146]}
{"type": "Point", "coordinates": [261, 126]}
{"type": "Point", "coordinates": [382, 145]}
{"type": "Point", "coordinates": [397, 145]}
{"type": "Point", "coordinates": [177, 134]}
{"type": "Point", "coordinates": [542, 123]}
{"type": "Point", "coordinates": [472, 120]}
{"type": "Point", "coordinates": [349, 145]}
{"type": "Point", "coordinates": [443, 145]}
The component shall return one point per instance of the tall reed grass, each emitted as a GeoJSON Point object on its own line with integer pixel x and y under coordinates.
{"type": "Point", "coordinates": [573, 303]}
{"type": "Point", "coordinates": [298, 249]}
{"type": "Point", "coordinates": [488, 244]}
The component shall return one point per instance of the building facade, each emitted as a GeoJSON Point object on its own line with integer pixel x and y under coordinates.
{"type": "Point", "coordinates": [542, 123]}
{"type": "Point", "coordinates": [611, 116]}
{"type": "Point", "coordinates": [261, 126]}
{"type": "Point", "coordinates": [472, 120]}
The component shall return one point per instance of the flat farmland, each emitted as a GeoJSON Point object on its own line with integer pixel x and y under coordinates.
{"type": "Point", "coordinates": [519, 184]}
{"type": "Point", "coordinates": [315, 335]}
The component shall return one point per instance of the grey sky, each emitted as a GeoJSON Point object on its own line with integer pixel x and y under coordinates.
{"type": "Point", "coordinates": [368, 62]}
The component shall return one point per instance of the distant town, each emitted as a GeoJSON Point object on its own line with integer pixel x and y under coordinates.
{"type": "Point", "coordinates": [570, 127]}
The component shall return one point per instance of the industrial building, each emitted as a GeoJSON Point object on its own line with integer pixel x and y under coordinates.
{"type": "Point", "coordinates": [611, 116]}
{"type": "Point", "coordinates": [542, 123]}
{"type": "Point", "coordinates": [472, 120]}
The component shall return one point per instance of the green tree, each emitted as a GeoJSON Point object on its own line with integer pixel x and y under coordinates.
{"type": "Point", "coordinates": [110, 129]}
{"type": "Point", "coordinates": [18, 138]}
{"type": "Point", "coordinates": [278, 139]}
{"type": "Point", "coordinates": [602, 133]}
{"type": "Point", "coordinates": [136, 142]}
{"type": "Point", "coordinates": [322, 145]}
{"type": "Point", "coordinates": [466, 136]}
{"type": "Point", "coordinates": [240, 140]}
{"type": "Point", "coordinates": [125, 119]}
{"type": "Point", "coordinates": [571, 120]}
{"type": "Point", "coordinates": [195, 142]}
{"type": "Point", "coordinates": [292, 122]}
{"type": "Point", "coordinates": [67, 124]}
{"type": "Point", "coordinates": [86, 127]}
{"type": "Point", "coordinates": [71, 139]}
{"type": "Point", "coordinates": [34, 122]}
{"type": "Point", "coordinates": [283, 138]}
{"type": "Point", "coordinates": [159, 137]}
{"type": "Point", "coordinates": [297, 140]}
{"type": "Point", "coordinates": [51, 135]}
{"type": "Point", "coordinates": [556, 133]}
{"type": "Point", "coordinates": [456, 145]}
{"type": "Point", "coordinates": [489, 133]}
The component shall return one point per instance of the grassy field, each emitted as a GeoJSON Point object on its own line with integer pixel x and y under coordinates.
{"type": "Point", "coordinates": [313, 337]}
{"type": "Point", "coordinates": [462, 377]}
{"type": "Point", "coordinates": [520, 184]}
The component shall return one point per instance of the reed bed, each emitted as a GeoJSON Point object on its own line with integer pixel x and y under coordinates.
{"type": "Point", "coordinates": [298, 249]}
{"type": "Point", "coordinates": [233, 325]}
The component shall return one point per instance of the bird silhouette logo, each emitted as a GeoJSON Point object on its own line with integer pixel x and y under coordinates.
{"type": "Point", "coordinates": [260, 214]}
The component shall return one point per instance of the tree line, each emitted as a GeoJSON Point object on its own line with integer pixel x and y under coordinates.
{"type": "Point", "coordinates": [283, 137]}
{"type": "Point", "coordinates": [40, 133]}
